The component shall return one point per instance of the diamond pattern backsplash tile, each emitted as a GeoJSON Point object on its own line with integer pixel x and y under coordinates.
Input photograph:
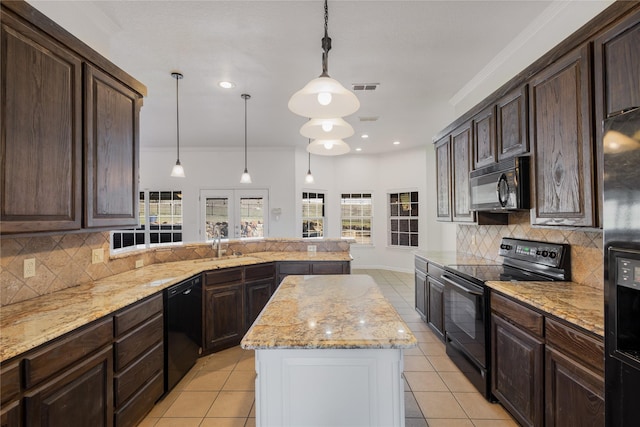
{"type": "Point", "coordinates": [64, 261]}
{"type": "Point", "coordinates": [586, 246]}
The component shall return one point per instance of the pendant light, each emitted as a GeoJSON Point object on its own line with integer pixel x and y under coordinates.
{"type": "Point", "coordinates": [328, 147]}
{"type": "Point", "coordinates": [245, 178]}
{"type": "Point", "coordinates": [178, 170]}
{"type": "Point", "coordinates": [309, 178]}
{"type": "Point", "coordinates": [335, 128]}
{"type": "Point", "coordinates": [324, 97]}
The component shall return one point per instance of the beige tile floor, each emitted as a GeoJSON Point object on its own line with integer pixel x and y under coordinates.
{"type": "Point", "coordinates": [219, 390]}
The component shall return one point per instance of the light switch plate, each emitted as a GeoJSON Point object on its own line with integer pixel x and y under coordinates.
{"type": "Point", "coordinates": [29, 268]}
{"type": "Point", "coordinates": [97, 256]}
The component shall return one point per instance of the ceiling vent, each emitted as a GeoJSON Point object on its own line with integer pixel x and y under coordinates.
{"type": "Point", "coordinates": [365, 86]}
{"type": "Point", "coordinates": [369, 118]}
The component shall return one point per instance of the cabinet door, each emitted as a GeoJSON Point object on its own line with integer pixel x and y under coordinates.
{"type": "Point", "coordinates": [484, 138]}
{"type": "Point", "coordinates": [83, 394]}
{"type": "Point", "coordinates": [511, 121]}
{"type": "Point", "coordinates": [461, 165]}
{"type": "Point", "coordinates": [443, 179]}
{"type": "Point", "coordinates": [257, 296]}
{"type": "Point", "coordinates": [574, 394]}
{"type": "Point", "coordinates": [616, 78]}
{"type": "Point", "coordinates": [41, 153]}
{"type": "Point", "coordinates": [421, 293]}
{"type": "Point", "coordinates": [561, 134]}
{"type": "Point", "coordinates": [517, 371]}
{"type": "Point", "coordinates": [435, 313]}
{"type": "Point", "coordinates": [10, 414]}
{"type": "Point", "coordinates": [111, 151]}
{"type": "Point", "coordinates": [224, 314]}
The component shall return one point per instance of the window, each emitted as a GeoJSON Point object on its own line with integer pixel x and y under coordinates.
{"type": "Point", "coordinates": [357, 214]}
{"type": "Point", "coordinates": [312, 215]}
{"type": "Point", "coordinates": [234, 213]}
{"type": "Point", "coordinates": [403, 219]}
{"type": "Point", "coordinates": [160, 216]}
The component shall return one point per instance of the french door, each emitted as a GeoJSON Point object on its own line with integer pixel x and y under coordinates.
{"type": "Point", "coordinates": [234, 214]}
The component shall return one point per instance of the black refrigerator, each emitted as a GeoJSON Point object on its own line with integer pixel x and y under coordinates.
{"type": "Point", "coordinates": [621, 223]}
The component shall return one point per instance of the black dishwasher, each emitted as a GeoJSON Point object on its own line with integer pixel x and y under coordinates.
{"type": "Point", "coordinates": [183, 329]}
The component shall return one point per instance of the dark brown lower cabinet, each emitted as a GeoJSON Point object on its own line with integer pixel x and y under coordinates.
{"type": "Point", "coordinates": [435, 298]}
{"type": "Point", "coordinates": [421, 293]}
{"type": "Point", "coordinates": [517, 371]}
{"type": "Point", "coordinates": [574, 394]}
{"type": "Point", "coordinates": [286, 268]}
{"type": "Point", "coordinates": [81, 395]}
{"type": "Point", "coordinates": [10, 414]}
{"type": "Point", "coordinates": [224, 316]}
{"type": "Point", "coordinates": [257, 295]}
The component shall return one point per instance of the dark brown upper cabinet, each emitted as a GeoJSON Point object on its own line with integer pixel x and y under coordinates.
{"type": "Point", "coordinates": [512, 136]}
{"type": "Point", "coordinates": [443, 179]}
{"type": "Point", "coordinates": [484, 138]}
{"type": "Point", "coordinates": [112, 113]}
{"type": "Point", "coordinates": [561, 134]}
{"type": "Point", "coordinates": [616, 77]}
{"type": "Point", "coordinates": [461, 155]}
{"type": "Point", "coordinates": [41, 154]}
{"type": "Point", "coordinates": [70, 130]}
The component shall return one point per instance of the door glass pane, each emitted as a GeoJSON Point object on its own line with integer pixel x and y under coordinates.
{"type": "Point", "coordinates": [217, 217]}
{"type": "Point", "coordinates": [251, 217]}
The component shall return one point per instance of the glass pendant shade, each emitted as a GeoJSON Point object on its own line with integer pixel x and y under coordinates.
{"type": "Point", "coordinates": [308, 178]}
{"type": "Point", "coordinates": [178, 170]}
{"type": "Point", "coordinates": [245, 178]}
{"type": "Point", "coordinates": [327, 129]}
{"type": "Point", "coordinates": [328, 147]}
{"type": "Point", "coordinates": [324, 98]}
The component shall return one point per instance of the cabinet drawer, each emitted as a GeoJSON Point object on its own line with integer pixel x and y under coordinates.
{"type": "Point", "coordinates": [260, 271]}
{"type": "Point", "coordinates": [327, 268]}
{"type": "Point", "coordinates": [9, 382]}
{"type": "Point", "coordinates": [141, 403]}
{"type": "Point", "coordinates": [579, 345]}
{"type": "Point", "coordinates": [138, 313]}
{"type": "Point", "coordinates": [421, 264]}
{"type": "Point", "coordinates": [434, 270]}
{"type": "Point", "coordinates": [132, 345]}
{"type": "Point", "coordinates": [53, 358]}
{"type": "Point", "coordinates": [295, 268]}
{"type": "Point", "coordinates": [518, 314]}
{"type": "Point", "coordinates": [227, 275]}
{"type": "Point", "coordinates": [131, 379]}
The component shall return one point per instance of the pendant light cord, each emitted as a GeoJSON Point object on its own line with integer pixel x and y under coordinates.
{"type": "Point", "coordinates": [177, 76]}
{"type": "Point", "coordinates": [326, 43]}
{"type": "Point", "coordinates": [245, 97]}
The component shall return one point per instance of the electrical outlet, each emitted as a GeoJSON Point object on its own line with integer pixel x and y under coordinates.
{"type": "Point", "coordinates": [29, 267]}
{"type": "Point", "coordinates": [311, 248]}
{"type": "Point", "coordinates": [139, 263]}
{"type": "Point", "coordinates": [97, 256]}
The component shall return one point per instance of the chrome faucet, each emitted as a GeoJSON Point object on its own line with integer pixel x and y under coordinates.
{"type": "Point", "coordinates": [217, 236]}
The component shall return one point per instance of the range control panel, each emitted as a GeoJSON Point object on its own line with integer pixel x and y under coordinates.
{"type": "Point", "coordinates": [550, 254]}
{"type": "Point", "coordinates": [628, 273]}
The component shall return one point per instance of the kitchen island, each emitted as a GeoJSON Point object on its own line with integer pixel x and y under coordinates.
{"type": "Point", "coordinates": [329, 351]}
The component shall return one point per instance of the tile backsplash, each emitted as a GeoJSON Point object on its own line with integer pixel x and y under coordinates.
{"type": "Point", "coordinates": [64, 261]}
{"type": "Point", "coordinates": [586, 246]}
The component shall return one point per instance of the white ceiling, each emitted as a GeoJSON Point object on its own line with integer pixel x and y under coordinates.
{"type": "Point", "coordinates": [423, 54]}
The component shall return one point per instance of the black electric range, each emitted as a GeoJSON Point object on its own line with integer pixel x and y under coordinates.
{"type": "Point", "coordinates": [466, 299]}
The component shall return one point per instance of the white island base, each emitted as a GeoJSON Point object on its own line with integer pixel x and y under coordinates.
{"type": "Point", "coordinates": [329, 387]}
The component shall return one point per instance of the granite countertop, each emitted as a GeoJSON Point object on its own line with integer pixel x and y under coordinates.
{"type": "Point", "coordinates": [328, 312]}
{"type": "Point", "coordinates": [28, 324]}
{"type": "Point", "coordinates": [578, 304]}
{"type": "Point", "coordinates": [442, 258]}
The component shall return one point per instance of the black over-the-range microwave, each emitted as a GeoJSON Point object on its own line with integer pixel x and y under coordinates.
{"type": "Point", "coordinates": [501, 187]}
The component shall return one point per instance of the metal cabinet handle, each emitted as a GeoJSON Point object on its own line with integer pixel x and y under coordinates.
{"type": "Point", "coordinates": [449, 280]}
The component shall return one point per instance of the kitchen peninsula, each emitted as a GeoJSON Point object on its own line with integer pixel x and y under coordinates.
{"type": "Point", "coordinates": [329, 349]}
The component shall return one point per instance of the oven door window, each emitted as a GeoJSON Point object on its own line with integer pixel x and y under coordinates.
{"type": "Point", "coordinates": [464, 321]}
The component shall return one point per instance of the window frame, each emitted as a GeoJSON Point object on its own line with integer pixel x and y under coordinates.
{"type": "Point", "coordinates": [411, 220]}
{"type": "Point", "coordinates": [307, 218]}
{"type": "Point", "coordinates": [362, 218]}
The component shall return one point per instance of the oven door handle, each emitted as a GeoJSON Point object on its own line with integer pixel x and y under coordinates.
{"type": "Point", "coordinates": [451, 281]}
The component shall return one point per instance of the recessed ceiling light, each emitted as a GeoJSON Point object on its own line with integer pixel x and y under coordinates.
{"type": "Point", "coordinates": [396, 142]}
{"type": "Point", "coordinates": [227, 85]}
{"type": "Point", "coordinates": [358, 149]}
{"type": "Point", "coordinates": [364, 136]}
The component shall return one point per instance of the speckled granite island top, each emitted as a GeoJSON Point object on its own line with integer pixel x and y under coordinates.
{"type": "Point", "coordinates": [578, 304]}
{"type": "Point", "coordinates": [28, 324]}
{"type": "Point", "coordinates": [328, 312]}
